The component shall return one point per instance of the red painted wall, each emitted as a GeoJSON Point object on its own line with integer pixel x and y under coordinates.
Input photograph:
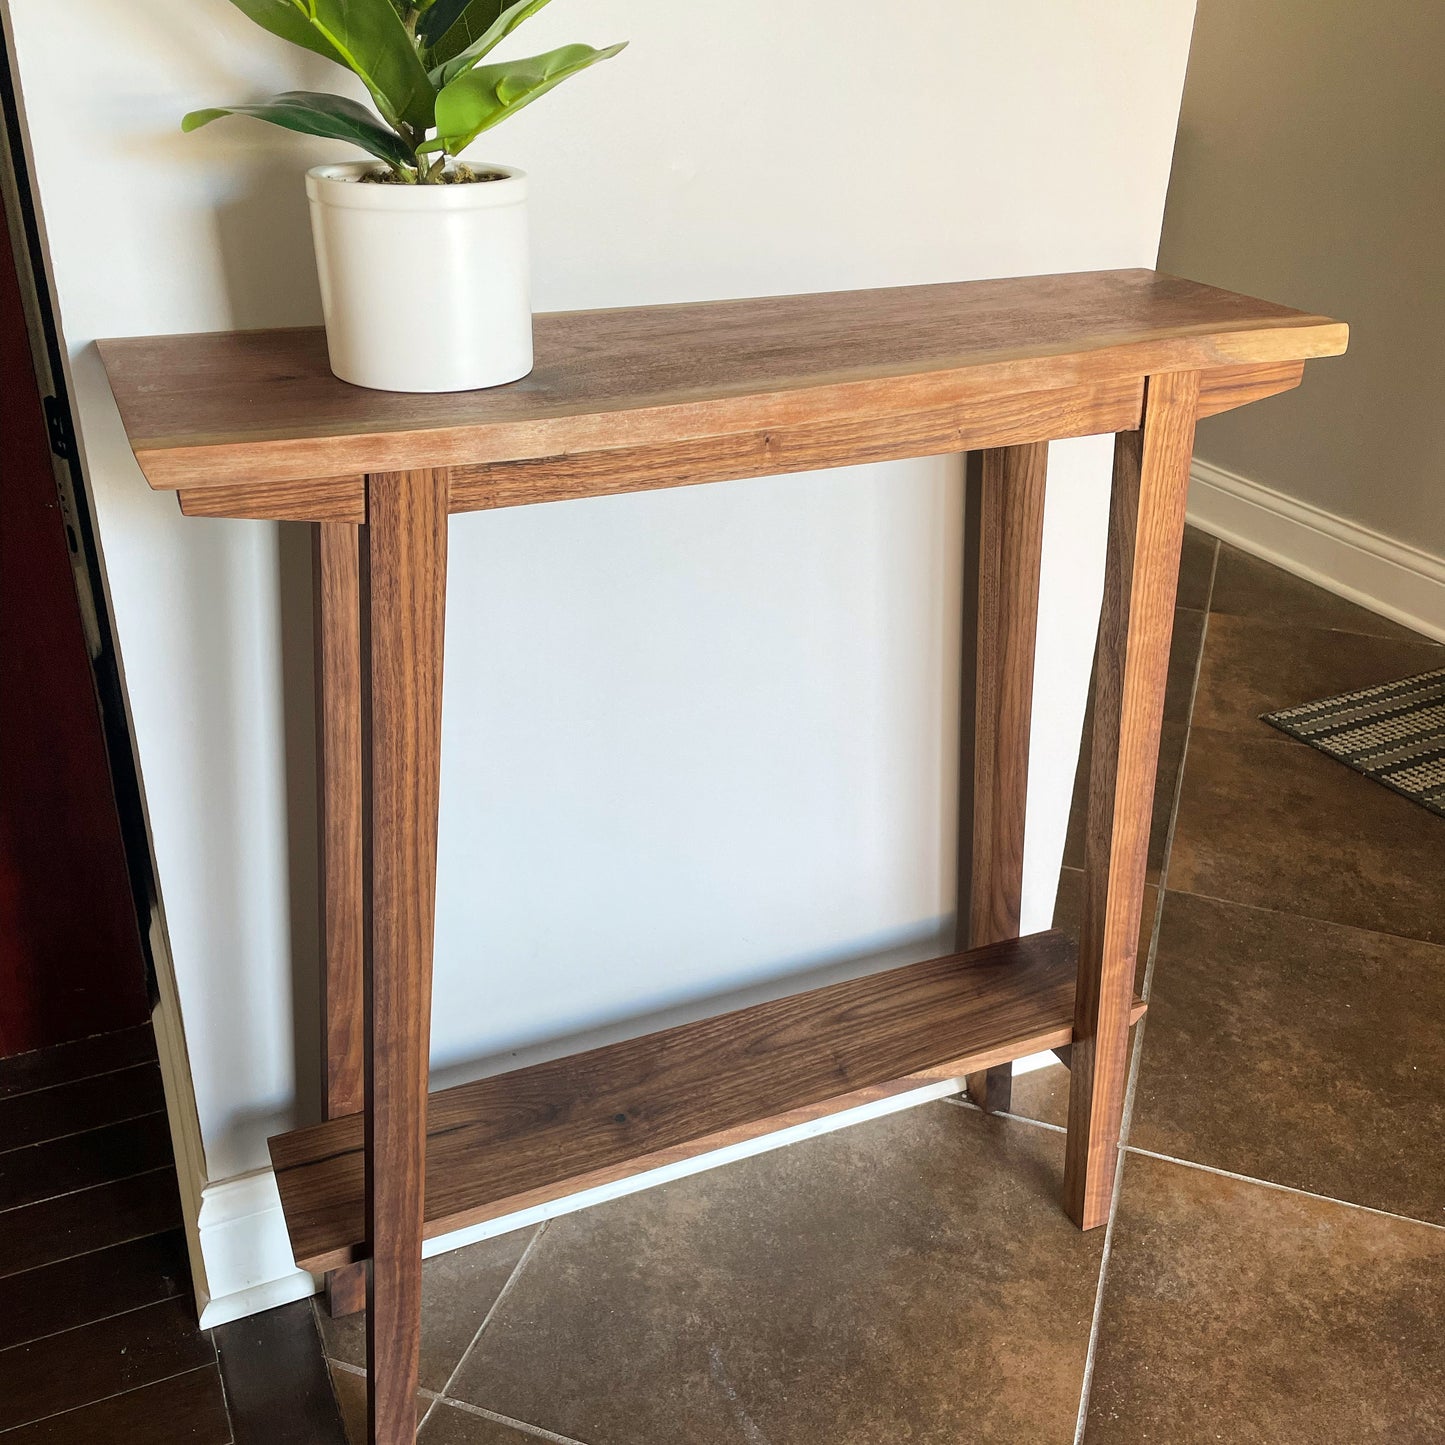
{"type": "Point", "coordinates": [70, 959]}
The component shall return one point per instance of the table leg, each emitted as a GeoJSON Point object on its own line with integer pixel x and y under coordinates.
{"type": "Point", "coordinates": [1146, 531]}
{"type": "Point", "coordinates": [403, 603]}
{"type": "Point", "coordinates": [1006, 557]}
{"type": "Point", "coordinates": [338, 754]}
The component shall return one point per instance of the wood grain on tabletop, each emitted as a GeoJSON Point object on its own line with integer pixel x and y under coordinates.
{"type": "Point", "coordinates": [231, 407]}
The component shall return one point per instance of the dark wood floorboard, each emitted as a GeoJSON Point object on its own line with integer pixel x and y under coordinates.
{"type": "Point", "coordinates": [99, 1343]}
{"type": "Point", "coordinates": [45, 1068]}
{"type": "Point", "coordinates": [52, 1113]}
{"type": "Point", "coordinates": [81, 1161]}
{"type": "Point", "coordinates": [93, 1286]}
{"type": "Point", "coordinates": [277, 1384]}
{"type": "Point", "coordinates": [95, 1361]}
{"type": "Point", "coordinates": [90, 1219]}
{"type": "Point", "coordinates": [189, 1409]}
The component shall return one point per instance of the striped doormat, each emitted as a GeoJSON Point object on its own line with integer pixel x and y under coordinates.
{"type": "Point", "coordinates": [1394, 733]}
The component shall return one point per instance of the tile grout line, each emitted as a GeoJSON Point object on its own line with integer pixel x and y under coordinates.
{"type": "Point", "coordinates": [1307, 917]}
{"type": "Point", "coordinates": [359, 1371]}
{"type": "Point", "coordinates": [226, 1394]}
{"type": "Point", "coordinates": [1163, 884]}
{"type": "Point", "coordinates": [1037, 1123]}
{"type": "Point", "coordinates": [114, 1395]}
{"type": "Point", "coordinates": [496, 1304]}
{"type": "Point", "coordinates": [1127, 1119]}
{"type": "Point", "coordinates": [1353, 629]}
{"type": "Point", "coordinates": [522, 1425]}
{"type": "Point", "coordinates": [1282, 1188]}
{"type": "Point", "coordinates": [1086, 1384]}
{"type": "Point", "coordinates": [962, 1103]}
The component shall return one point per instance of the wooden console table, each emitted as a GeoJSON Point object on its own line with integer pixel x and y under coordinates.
{"type": "Point", "coordinates": [253, 424]}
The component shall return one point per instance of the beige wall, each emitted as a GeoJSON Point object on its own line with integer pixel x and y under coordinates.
{"type": "Point", "coordinates": [1310, 168]}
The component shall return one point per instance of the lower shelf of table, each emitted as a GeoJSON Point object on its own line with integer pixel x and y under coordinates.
{"type": "Point", "coordinates": [535, 1134]}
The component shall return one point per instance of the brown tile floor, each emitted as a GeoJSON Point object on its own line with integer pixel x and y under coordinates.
{"type": "Point", "coordinates": [1233, 1311]}
{"type": "Point", "coordinates": [913, 1279]}
{"type": "Point", "coordinates": [1272, 1273]}
{"type": "Point", "coordinates": [819, 1293]}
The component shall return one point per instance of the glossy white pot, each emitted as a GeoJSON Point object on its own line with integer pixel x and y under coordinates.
{"type": "Point", "coordinates": [425, 288]}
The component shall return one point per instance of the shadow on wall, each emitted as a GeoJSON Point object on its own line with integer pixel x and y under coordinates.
{"type": "Point", "coordinates": [263, 240]}
{"type": "Point", "coordinates": [260, 227]}
{"type": "Point", "coordinates": [894, 950]}
{"type": "Point", "coordinates": [303, 881]}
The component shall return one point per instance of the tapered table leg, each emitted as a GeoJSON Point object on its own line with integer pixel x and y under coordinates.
{"type": "Point", "coordinates": [1006, 559]}
{"type": "Point", "coordinates": [403, 601]}
{"type": "Point", "coordinates": [338, 753]}
{"type": "Point", "coordinates": [1146, 530]}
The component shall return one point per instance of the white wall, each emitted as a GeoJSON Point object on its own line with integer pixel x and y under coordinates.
{"type": "Point", "coordinates": [694, 740]}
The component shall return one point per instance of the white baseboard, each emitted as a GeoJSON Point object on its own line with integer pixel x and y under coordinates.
{"type": "Point", "coordinates": [1397, 581]}
{"type": "Point", "coordinates": [181, 1113]}
{"type": "Point", "coordinates": [235, 1233]}
{"type": "Point", "coordinates": [247, 1255]}
{"type": "Point", "coordinates": [248, 1262]}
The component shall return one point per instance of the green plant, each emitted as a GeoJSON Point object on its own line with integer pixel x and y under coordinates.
{"type": "Point", "coordinates": [421, 63]}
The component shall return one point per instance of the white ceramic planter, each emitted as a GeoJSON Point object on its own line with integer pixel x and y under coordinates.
{"type": "Point", "coordinates": [425, 288]}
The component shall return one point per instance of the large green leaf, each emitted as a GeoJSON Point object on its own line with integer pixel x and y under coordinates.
{"type": "Point", "coordinates": [372, 41]}
{"type": "Point", "coordinates": [443, 14]}
{"type": "Point", "coordinates": [482, 97]}
{"type": "Point", "coordinates": [368, 38]}
{"type": "Point", "coordinates": [446, 67]}
{"type": "Point", "coordinates": [314, 113]}
{"type": "Point", "coordinates": [286, 19]}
